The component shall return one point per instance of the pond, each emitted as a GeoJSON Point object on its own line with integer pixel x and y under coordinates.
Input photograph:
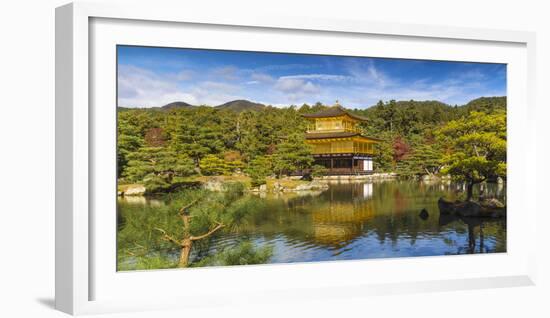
{"type": "Point", "coordinates": [358, 220]}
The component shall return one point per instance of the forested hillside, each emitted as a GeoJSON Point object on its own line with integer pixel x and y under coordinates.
{"type": "Point", "coordinates": [161, 145]}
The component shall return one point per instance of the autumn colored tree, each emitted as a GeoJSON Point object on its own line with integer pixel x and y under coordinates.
{"type": "Point", "coordinates": [400, 149]}
{"type": "Point", "coordinates": [155, 137]}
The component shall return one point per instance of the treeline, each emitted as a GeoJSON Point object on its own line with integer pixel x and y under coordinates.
{"type": "Point", "coordinates": [159, 146]}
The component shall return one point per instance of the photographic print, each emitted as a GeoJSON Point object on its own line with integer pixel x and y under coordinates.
{"type": "Point", "coordinates": [236, 158]}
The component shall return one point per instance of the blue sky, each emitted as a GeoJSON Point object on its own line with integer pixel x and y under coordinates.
{"type": "Point", "coordinates": [149, 76]}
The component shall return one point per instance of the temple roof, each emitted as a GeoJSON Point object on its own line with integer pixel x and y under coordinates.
{"type": "Point", "coordinates": [343, 134]}
{"type": "Point", "coordinates": [334, 111]}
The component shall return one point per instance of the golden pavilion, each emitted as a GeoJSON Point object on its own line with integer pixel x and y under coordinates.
{"type": "Point", "coordinates": [337, 142]}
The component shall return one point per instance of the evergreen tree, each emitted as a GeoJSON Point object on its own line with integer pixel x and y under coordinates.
{"type": "Point", "coordinates": [157, 162]}
{"type": "Point", "coordinates": [425, 159]}
{"type": "Point", "coordinates": [197, 135]}
{"type": "Point", "coordinates": [260, 168]}
{"type": "Point", "coordinates": [477, 145]}
{"type": "Point", "coordinates": [212, 165]}
{"type": "Point", "coordinates": [293, 154]}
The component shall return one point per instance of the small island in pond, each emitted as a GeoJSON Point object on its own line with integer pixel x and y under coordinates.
{"type": "Point", "coordinates": [242, 182]}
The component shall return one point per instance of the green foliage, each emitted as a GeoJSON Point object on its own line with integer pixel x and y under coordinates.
{"type": "Point", "coordinates": [260, 168]}
{"type": "Point", "coordinates": [127, 144]}
{"type": "Point", "coordinates": [155, 184]}
{"type": "Point", "coordinates": [318, 171]}
{"type": "Point", "coordinates": [425, 159]}
{"type": "Point", "coordinates": [141, 262]}
{"type": "Point", "coordinates": [212, 133]}
{"type": "Point", "coordinates": [476, 147]}
{"type": "Point", "coordinates": [243, 254]}
{"type": "Point", "coordinates": [212, 165]}
{"type": "Point", "coordinates": [140, 228]}
{"type": "Point", "coordinates": [416, 122]}
{"type": "Point", "coordinates": [157, 162]}
{"type": "Point", "coordinates": [292, 154]}
{"type": "Point", "coordinates": [196, 133]}
{"type": "Point", "coordinates": [383, 161]}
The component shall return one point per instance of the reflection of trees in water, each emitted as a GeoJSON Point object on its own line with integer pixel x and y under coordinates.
{"type": "Point", "coordinates": [478, 230]}
{"type": "Point", "coordinates": [388, 210]}
{"type": "Point", "coordinates": [333, 220]}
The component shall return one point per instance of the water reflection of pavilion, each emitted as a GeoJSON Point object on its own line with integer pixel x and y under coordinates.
{"type": "Point", "coordinates": [349, 211]}
{"type": "Point", "coordinates": [340, 213]}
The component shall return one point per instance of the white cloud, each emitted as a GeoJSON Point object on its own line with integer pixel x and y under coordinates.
{"type": "Point", "coordinates": [367, 74]}
{"type": "Point", "coordinates": [295, 89]}
{"type": "Point", "coordinates": [294, 85]}
{"type": "Point", "coordinates": [138, 87]}
{"type": "Point", "coordinates": [215, 93]}
{"type": "Point", "coordinates": [262, 78]}
{"type": "Point", "coordinates": [362, 85]}
{"type": "Point", "coordinates": [184, 75]}
{"type": "Point", "coordinates": [320, 77]}
{"type": "Point", "coordinates": [226, 72]}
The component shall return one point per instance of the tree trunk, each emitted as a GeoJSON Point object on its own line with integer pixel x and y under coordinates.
{"type": "Point", "coordinates": [469, 191]}
{"type": "Point", "coordinates": [187, 244]}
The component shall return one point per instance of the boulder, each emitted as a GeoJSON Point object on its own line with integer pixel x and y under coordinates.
{"type": "Point", "coordinates": [492, 203]}
{"type": "Point", "coordinates": [277, 187]}
{"type": "Point", "coordinates": [429, 178]}
{"type": "Point", "coordinates": [469, 209]}
{"type": "Point", "coordinates": [263, 188]}
{"type": "Point", "coordinates": [214, 185]}
{"type": "Point", "coordinates": [460, 208]}
{"type": "Point", "coordinates": [131, 190]}
{"type": "Point", "coordinates": [312, 186]}
{"type": "Point", "coordinates": [424, 214]}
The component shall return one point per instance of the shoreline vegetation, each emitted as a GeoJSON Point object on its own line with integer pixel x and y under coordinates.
{"type": "Point", "coordinates": [206, 159]}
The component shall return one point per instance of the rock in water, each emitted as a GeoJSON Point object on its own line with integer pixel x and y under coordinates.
{"type": "Point", "coordinates": [424, 214]}
{"type": "Point", "coordinates": [137, 189]}
{"type": "Point", "coordinates": [471, 209]}
{"type": "Point", "coordinates": [492, 204]}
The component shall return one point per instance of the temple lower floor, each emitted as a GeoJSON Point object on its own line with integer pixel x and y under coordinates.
{"type": "Point", "coordinates": [345, 164]}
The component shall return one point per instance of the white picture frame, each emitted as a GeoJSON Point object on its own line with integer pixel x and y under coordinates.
{"type": "Point", "coordinates": [84, 284]}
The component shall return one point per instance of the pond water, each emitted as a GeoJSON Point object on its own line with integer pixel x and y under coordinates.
{"type": "Point", "coordinates": [359, 220]}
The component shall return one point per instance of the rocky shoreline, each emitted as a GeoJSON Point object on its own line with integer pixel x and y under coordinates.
{"type": "Point", "coordinates": [368, 177]}
{"type": "Point", "coordinates": [489, 208]}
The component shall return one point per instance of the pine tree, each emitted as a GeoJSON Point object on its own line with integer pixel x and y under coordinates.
{"type": "Point", "coordinates": [157, 162]}
{"type": "Point", "coordinates": [260, 168]}
{"type": "Point", "coordinates": [477, 146]}
{"type": "Point", "coordinates": [212, 165]}
{"type": "Point", "coordinates": [293, 154]}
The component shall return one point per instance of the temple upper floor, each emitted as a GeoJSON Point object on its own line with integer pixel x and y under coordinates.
{"type": "Point", "coordinates": [333, 119]}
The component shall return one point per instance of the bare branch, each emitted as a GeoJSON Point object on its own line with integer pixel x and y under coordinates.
{"type": "Point", "coordinates": [168, 238]}
{"type": "Point", "coordinates": [475, 149]}
{"type": "Point", "coordinates": [212, 231]}
{"type": "Point", "coordinates": [182, 210]}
